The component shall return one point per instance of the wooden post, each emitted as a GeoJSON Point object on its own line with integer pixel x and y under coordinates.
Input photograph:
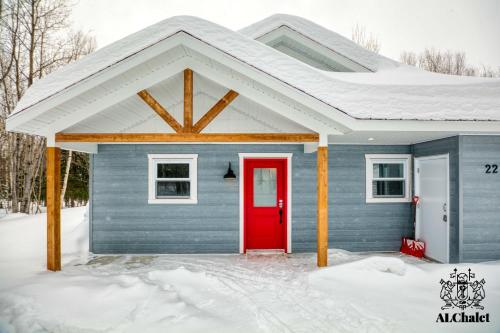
{"type": "Point", "coordinates": [322, 215]}
{"type": "Point", "coordinates": [188, 100]}
{"type": "Point", "coordinates": [53, 208]}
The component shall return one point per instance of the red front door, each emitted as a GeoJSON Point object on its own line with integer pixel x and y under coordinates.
{"type": "Point", "coordinates": [265, 202]}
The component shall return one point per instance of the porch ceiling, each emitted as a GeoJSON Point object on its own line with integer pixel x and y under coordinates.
{"type": "Point", "coordinates": [133, 115]}
{"type": "Point", "coordinates": [389, 138]}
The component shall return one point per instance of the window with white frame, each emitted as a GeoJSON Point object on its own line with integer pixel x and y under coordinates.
{"type": "Point", "coordinates": [388, 178]}
{"type": "Point", "coordinates": [172, 178]}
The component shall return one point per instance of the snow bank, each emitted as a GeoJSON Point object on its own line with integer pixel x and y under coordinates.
{"type": "Point", "coordinates": [359, 292]}
{"type": "Point", "coordinates": [23, 241]}
{"type": "Point", "coordinates": [374, 264]}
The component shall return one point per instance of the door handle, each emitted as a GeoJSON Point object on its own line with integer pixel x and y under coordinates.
{"type": "Point", "coordinates": [280, 204]}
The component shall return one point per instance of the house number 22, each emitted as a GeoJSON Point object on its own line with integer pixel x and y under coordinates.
{"type": "Point", "coordinates": [491, 168]}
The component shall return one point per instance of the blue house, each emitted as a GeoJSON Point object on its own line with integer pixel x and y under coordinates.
{"type": "Point", "coordinates": [281, 136]}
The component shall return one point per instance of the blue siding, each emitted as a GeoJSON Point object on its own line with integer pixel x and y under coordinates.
{"type": "Point", "coordinates": [480, 198]}
{"type": "Point", "coordinates": [123, 221]}
{"type": "Point", "coordinates": [439, 147]}
{"type": "Point", "coordinates": [354, 224]}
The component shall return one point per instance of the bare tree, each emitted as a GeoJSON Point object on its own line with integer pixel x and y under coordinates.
{"type": "Point", "coordinates": [360, 36]}
{"type": "Point", "coordinates": [36, 39]}
{"type": "Point", "coordinates": [409, 58]}
{"type": "Point", "coordinates": [445, 62]}
{"type": "Point", "coordinates": [487, 71]}
{"type": "Point", "coordinates": [66, 176]}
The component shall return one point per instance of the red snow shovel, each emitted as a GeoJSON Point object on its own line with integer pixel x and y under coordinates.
{"type": "Point", "coordinates": [410, 246]}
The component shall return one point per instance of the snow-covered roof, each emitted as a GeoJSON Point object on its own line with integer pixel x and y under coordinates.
{"type": "Point", "coordinates": [392, 92]}
{"type": "Point", "coordinates": [320, 35]}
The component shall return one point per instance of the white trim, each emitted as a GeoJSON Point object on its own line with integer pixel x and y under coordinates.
{"type": "Point", "coordinates": [370, 159]}
{"type": "Point", "coordinates": [51, 140]}
{"type": "Point", "coordinates": [284, 30]}
{"type": "Point", "coordinates": [118, 96]}
{"type": "Point", "coordinates": [276, 105]}
{"type": "Point", "coordinates": [288, 156]}
{"type": "Point", "coordinates": [317, 119]}
{"type": "Point", "coordinates": [446, 127]}
{"type": "Point", "coordinates": [460, 200]}
{"type": "Point", "coordinates": [321, 118]}
{"type": "Point", "coordinates": [84, 147]}
{"type": "Point", "coordinates": [323, 140]}
{"type": "Point", "coordinates": [95, 79]}
{"type": "Point", "coordinates": [192, 159]}
{"type": "Point", "coordinates": [417, 193]}
{"type": "Point", "coordinates": [310, 147]}
{"type": "Point", "coordinates": [312, 121]}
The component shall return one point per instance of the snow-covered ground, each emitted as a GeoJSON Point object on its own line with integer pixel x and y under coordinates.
{"type": "Point", "coordinates": [218, 293]}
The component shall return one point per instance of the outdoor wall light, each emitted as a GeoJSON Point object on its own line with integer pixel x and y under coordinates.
{"type": "Point", "coordinates": [230, 173]}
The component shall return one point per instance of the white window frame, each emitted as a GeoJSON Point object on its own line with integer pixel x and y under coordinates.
{"type": "Point", "coordinates": [372, 159]}
{"type": "Point", "coordinates": [191, 159]}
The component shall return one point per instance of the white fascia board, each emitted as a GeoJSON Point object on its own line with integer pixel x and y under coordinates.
{"type": "Point", "coordinates": [269, 102]}
{"type": "Point", "coordinates": [345, 122]}
{"type": "Point", "coordinates": [427, 126]}
{"type": "Point", "coordinates": [94, 80]}
{"type": "Point", "coordinates": [323, 140]}
{"type": "Point", "coordinates": [300, 38]}
{"type": "Point", "coordinates": [51, 141]}
{"type": "Point", "coordinates": [203, 69]}
{"type": "Point", "coordinates": [90, 148]}
{"type": "Point", "coordinates": [342, 120]}
{"type": "Point", "coordinates": [117, 96]}
{"type": "Point", "coordinates": [178, 66]}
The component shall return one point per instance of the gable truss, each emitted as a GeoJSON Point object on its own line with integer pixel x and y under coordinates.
{"type": "Point", "coordinates": [188, 132]}
{"type": "Point", "coordinates": [207, 118]}
{"type": "Point", "coordinates": [160, 110]}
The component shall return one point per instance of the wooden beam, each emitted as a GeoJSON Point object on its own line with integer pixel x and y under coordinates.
{"type": "Point", "coordinates": [187, 137]}
{"type": "Point", "coordinates": [214, 111]}
{"type": "Point", "coordinates": [322, 214]}
{"type": "Point", "coordinates": [160, 110]}
{"type": "Point", "coordinates": [188, 100]}
{"type": "Point", "coordinates": [53, 208]}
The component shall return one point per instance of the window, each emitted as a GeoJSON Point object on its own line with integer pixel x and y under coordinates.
{"type": "Point", "coordinates": [172, 179]}
{"type": "Point", "coordinates": [264, 187]}
{"type": "Point", "coordinates": [388, 178]}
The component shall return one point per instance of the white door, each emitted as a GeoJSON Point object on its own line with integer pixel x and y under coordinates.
{"type": "Point", "coordinates": [432, 223]}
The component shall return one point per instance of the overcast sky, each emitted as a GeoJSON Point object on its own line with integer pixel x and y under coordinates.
{"type": "Point", "coordinates": [472, 26]}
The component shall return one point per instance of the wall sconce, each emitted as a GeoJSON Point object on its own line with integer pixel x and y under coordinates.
{"type": "Point", "coordinates": [230, 173]}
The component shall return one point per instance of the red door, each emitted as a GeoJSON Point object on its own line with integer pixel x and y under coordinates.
{"type": "Point", "coordinates": [265, 202]}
